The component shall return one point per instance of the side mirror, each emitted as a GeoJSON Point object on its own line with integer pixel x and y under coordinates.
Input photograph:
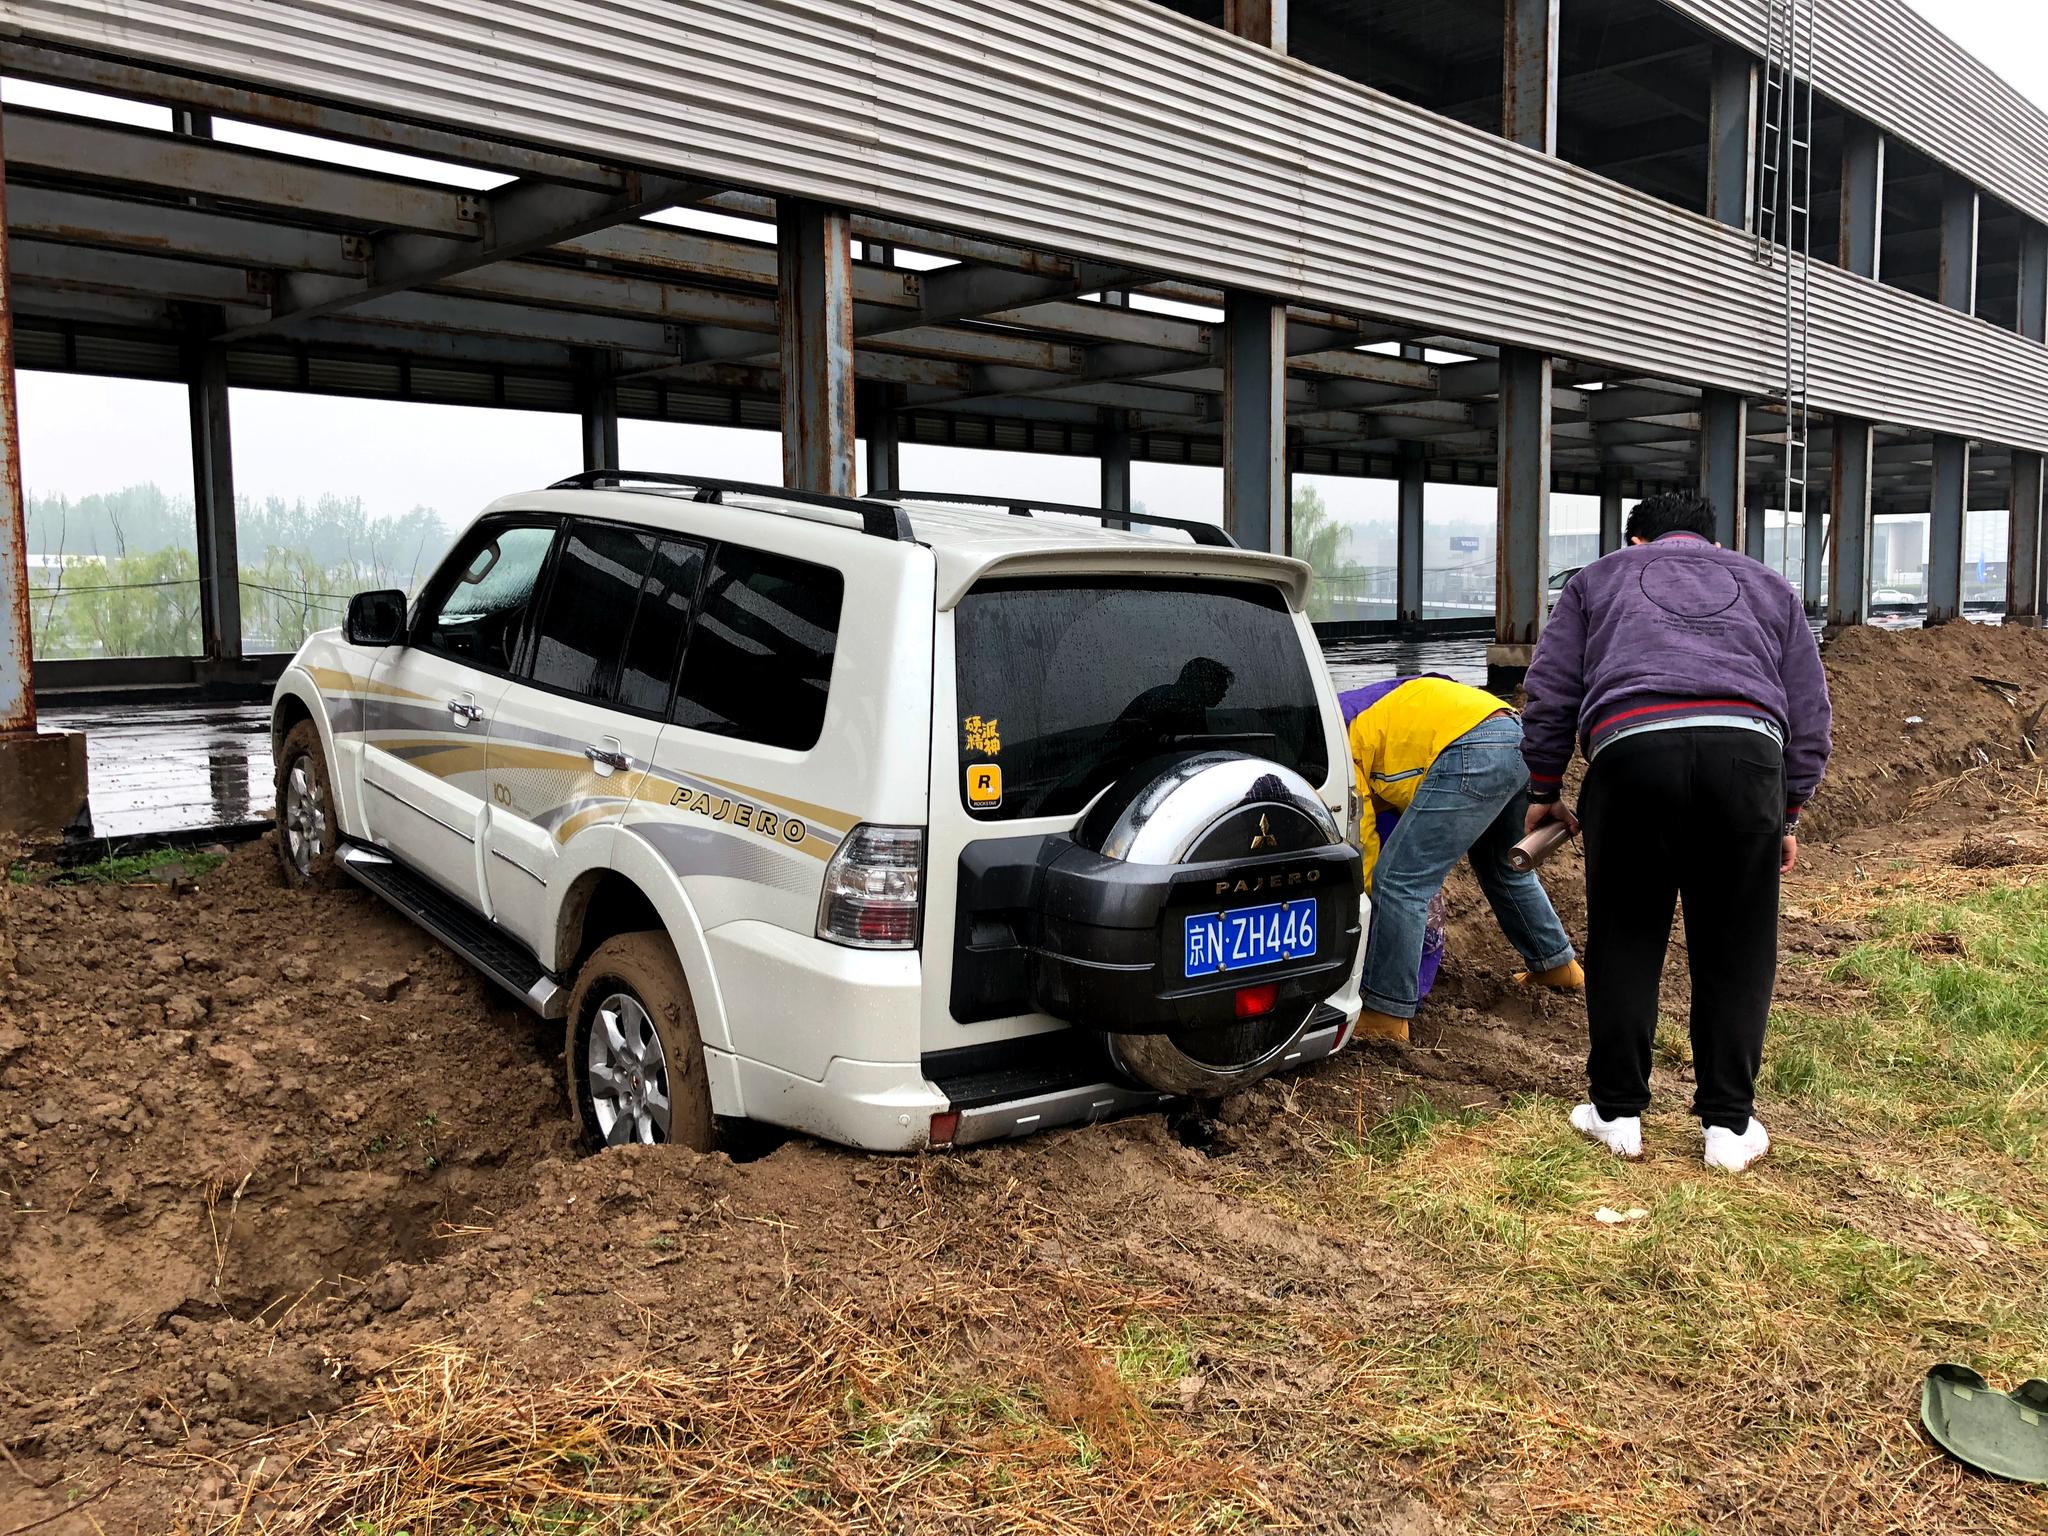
{"type": "Point", "coordinates": [375, 618]}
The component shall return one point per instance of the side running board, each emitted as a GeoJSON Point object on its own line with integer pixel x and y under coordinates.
{"type": "Point", "coordinates": [471, 936]}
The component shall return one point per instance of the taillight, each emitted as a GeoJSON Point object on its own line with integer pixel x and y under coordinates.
{"type": "Point", "coordinates": [874, 889]}
{"type": "Point", "coordinates": [1354, 814]}
{"type": "Point", "coordinates": [1257, 1002]}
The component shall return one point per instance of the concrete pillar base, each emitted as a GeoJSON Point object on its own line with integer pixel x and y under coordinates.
{"type": "Point", "coordinates": [1506, 666]}
{"type": "Point", "coordinates": [42, 784]}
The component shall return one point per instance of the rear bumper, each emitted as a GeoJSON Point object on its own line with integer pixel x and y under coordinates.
{"type": "Point", "coordinates": [1085, 1103]}
{"type": "Point", "coordinates": [888, 1106]}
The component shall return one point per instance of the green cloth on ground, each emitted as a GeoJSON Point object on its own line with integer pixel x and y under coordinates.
{"type": "Point", "coordinates": [2005, 1433]}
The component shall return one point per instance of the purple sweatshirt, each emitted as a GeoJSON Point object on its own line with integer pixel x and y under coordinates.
{"type": "Point", "coordinates": [1669, 629]}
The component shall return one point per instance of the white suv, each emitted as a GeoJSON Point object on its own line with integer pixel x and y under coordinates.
{"type": "Point", "coordinates": [903, 823]}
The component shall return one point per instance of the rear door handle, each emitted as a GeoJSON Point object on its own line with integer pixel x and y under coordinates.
{"type": "Point", "coordinates": [466, 714]}
{"type": "Point", "coordinates": [607, 760]}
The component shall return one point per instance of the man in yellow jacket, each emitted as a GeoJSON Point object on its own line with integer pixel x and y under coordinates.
{"type": "Point", "coordinates": [1440, 772]}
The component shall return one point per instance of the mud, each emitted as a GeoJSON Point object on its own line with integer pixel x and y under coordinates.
{"type": "Point", "coordinates": [257, 1145]}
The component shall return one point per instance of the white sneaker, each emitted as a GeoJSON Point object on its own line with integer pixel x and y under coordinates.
{"type": "Point", "coordinates": [1623, 1135]}
{"type": "Point", "coordinates": [1734, 1153]}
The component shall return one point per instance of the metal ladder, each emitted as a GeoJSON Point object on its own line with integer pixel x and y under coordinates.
{"type": "Point", "coordinates": [1784, 219]}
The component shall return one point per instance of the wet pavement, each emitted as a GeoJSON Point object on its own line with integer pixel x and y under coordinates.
{"type": "Point", "coordinates": [156, 768]}
{"type": "Point", "coordinates": [160, 769]}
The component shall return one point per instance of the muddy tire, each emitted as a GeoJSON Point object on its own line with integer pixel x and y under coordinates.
{"type": "Point", "coordinates": [634, 1060]}
{"type": "Point", "coordinates": [306, 825]}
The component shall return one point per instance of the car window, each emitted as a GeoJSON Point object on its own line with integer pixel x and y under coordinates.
{"type": "Point", "coordinates": [758, 665]}
{"type": "Point", "coordinates": [588, 609]}
{"type": "Point", "coordinates": [481, 614]}
{"type": "Point", "coordinates": [667, 599]}
{"type": "Point", "coordinates": [1064, 686]}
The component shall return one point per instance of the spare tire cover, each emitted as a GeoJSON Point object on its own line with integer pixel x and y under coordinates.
{"type": "Point", "coordinates": [1211, 806]}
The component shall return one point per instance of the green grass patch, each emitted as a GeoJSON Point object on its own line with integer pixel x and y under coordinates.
{"type": "Point", "coordinates": [125, 869]}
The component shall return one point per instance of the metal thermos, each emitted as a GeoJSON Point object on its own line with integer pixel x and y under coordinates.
{"type": "Point", "coordinates": [1537, 846]}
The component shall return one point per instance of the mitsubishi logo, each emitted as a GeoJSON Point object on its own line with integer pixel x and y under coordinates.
{"type": "Point", "coordinates": [1264, 837]}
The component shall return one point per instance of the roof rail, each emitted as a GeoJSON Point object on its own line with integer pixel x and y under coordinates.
{"type": "Point", "coordinates": [878, 518]}
{"type": "Point", "coordinates": [1024, 506]}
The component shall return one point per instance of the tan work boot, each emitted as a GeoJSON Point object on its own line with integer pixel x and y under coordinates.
{"type": "Point", "coordinates": [1569, 977]}
{"type": "Point", "coordinates": [1374, 1025]}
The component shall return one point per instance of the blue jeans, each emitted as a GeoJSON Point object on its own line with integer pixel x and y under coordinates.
{"type": "Point", "coordinates": [1472, 800]}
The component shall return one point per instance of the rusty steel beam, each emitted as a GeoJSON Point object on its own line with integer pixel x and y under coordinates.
{"type": "Point", "coordinates": [1528, 107]}
{"type": "Point", "coordinates": [815, 259]}
{"type": "Point", "coordinates": [64, 217]}
{"type": "Point", "coordinates": [1260, 21]}
{"type": "Point", "coordinates": [117, 78]}
{"type": "Point", "coordinates": [524, 217]}
{"type": "Point", "coordinates": [191, 167]}
{"type": "Point", "coordinates": [17, 652]}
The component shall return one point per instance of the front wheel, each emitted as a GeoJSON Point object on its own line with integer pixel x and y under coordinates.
{"type": "Point", "coordinates": [306, 828]}
{"type": "Point", "coordinates": [634, 1061]}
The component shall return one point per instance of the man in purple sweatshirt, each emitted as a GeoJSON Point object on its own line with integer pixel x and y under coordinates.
{"type": "Point", "coordinates": [1688, 675]}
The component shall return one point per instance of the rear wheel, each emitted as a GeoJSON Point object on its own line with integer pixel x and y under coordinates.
{"type": "Point", "coordinates": [306, 829]}
{"type": "Point", "coordinates": [1206, 810]}
{"type": "Point", "coordinates": [634, 1061]}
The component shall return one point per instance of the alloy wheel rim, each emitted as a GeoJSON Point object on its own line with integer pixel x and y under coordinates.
{"type": "Point", "coordinates": [628, 1073]}
{"type": "Point", "coordinates": [305, 818]}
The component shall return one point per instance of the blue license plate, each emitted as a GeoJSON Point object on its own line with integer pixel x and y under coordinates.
{"type": "Point", "coordinates": [1250, 936]}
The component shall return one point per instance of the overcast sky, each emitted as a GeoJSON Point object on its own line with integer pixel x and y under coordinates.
{"type": "Point", "coordinates": [82, 434]}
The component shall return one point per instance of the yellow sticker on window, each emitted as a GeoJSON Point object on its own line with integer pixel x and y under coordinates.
{"type": "Point", "coordinates": [984, 736]}
{"type": "Point", "coordinates": [984, 786]}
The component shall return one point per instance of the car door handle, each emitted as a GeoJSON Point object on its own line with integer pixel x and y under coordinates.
{"type": "Point", "coordinates": [465, 713]}
{"type": "Point", "coordinates": [607, 761]}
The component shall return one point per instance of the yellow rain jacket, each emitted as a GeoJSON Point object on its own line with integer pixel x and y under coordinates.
{"type": "Point", "coordinates": [1398, 735]}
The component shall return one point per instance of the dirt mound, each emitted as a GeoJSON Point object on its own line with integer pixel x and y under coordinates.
{"type": "Point", "coordinates": [1925, 721]}
{"type": "Point", "coordinates": [223, 1111]}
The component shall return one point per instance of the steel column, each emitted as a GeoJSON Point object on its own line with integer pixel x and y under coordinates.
{"type": "Point", "coordinates": [1951, 496]}
{"type": "Point", "coordinates": [1262, 21]}
{"type": "Point", "coordinates": [1731, 138]}
{"type": "Point", "coordinates": [1521, 576]}
{"type": "Point", "coordinates": [1528, 108]}
{"type": "Point", "coordinates": [1113, 447]}
{"type": "Point", "coordinates": [1255, 421]}
{"type": "Point", "coordinates": [1611, 519]}
{"type": "Point", "coordinates": [1724, 443]}
{"type": "Point", "coordinates": [1849, 519]}
{"type": "Point", "coordinates": [17, 648]}
{"type": "Point", "coordinates": [213, 490]}
{"type": "Point", "coordinates": [1957, 282]}
{"type": "Point", "coordinates": [814, 265]}
{"type": "Point", "coordinates": [597, 394]}
{"type": "Point", "coordinates": [1815, 535]}
{"type": "Point", "coordinates": [2025, 571]}
{"type": "Point", "coordinates": [1862, 225]}
{"type": "Point", "coordinates": [876, 404]}
{"type": "Point", "coordinates": [2033, 306]}
{"type": "Point", "coordinates": [1408, 525]}
{"type": "Point", "coordinates": [2023, 568]}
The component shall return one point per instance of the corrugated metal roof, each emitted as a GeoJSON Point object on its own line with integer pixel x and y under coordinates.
{"type": "Point", "coordinates": [1116, 131]}
{"type": "Point", "coordinates": [1884, 60]}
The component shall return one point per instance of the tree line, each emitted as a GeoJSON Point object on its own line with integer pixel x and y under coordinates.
{"type": "Point", "coordinates": [117, 574]}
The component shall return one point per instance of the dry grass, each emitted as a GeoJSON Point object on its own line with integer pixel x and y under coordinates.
{"type": "Point", "coordinates": [831, 1429]}
{"type": "Point", "coordinates": [1744, 1357]}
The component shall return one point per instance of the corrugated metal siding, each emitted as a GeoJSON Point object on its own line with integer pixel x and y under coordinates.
{"type": "Point", "coordinates": [1114, 130]}
{"type": "Point", "coordinates": [1887, 62]}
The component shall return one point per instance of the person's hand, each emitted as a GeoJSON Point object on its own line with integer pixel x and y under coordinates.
{"type": "Point", "coordinates": [1788, 853]}
{"type": "Point", "coordinates": [1554, 810]}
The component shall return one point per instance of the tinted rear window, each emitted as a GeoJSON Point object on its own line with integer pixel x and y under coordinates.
{"type": "Point", "coordinates": [1064, 686]}
{"type": "Point", "coordinates": [759, 662]}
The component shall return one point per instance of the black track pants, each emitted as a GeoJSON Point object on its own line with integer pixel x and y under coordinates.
{"type": "Point", "coordinates": [1691, 814]}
